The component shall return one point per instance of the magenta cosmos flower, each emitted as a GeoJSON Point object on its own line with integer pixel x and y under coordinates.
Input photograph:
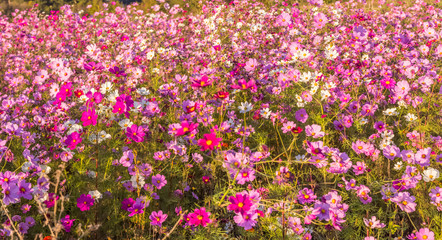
{"type": "Point", "coordinates": [186, 127]}
{"type": "Point", "coordinates": [243, 84]}
{"type": "Point", "coordinates": [157, 218]}
{"type": "Point", "coordinates": [200, 217]}
{"type": "Point", "coordinates": [241, 203]}
{"type": "Point", "coordinates": [85, 202]}
{"type": "Point", "coordinates": [73, 140]}
{"type": "Point", "coordinates": [209, 141]}
{"type": "Point", "coordinates": [202, 82]}
{"type": "Point", "coordinates": [135, 133]}
{"type": "Point", "coordinates": [306, 196]}
{"type": "Point", "coordinates": [89, 118]}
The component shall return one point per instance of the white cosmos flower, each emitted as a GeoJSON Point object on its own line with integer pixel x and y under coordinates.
{"type": "Point", "coordinates": [45, 169]}
{"type": "Point", "coordinates": [363, 121]}
{"type": "Point", "coordinates": [430, 174]}
{"type": "Point", "coordinates": [245, 107]}
{"type": "Point", "coordinates": [105, 87]}
{"type": "Point", "coordinates": [125, 123]}
{"type": "Point", "coordinates": [143, 91]}
{"type": "Point", "coordinates": [265, 113]}
{"type": "Point", "coordinates": [95, 194]}
{"type": "Point", "coordinates": [137, 181]}
{"type": "Point", "coordinates": [102, 135]}
{"type": "Point", "coordinates": [26, 167]}
{"type": "Point", "coordinates": [410, 117]}
{"type": "Point", "coordinates": [390, 112]}
{"type": "Point", "coordinates": [398, 165]}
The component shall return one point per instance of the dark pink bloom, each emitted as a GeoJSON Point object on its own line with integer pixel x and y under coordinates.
{"type": "Point", "coordinates": [85, 202]}
{"type": "Point", "coordinates": [135, 133]}
{"type": "Point", "coordinates": [241, 203]}
{"type": "Point", "coordinates": [243, 84]}
{"type": "Point", "coordinates": [200, 217]}
{"type": "Point", "coordinates": [73, 140]}
{"type": "Point", "coordinates": [66, 89]}
{"type": "Point", "coordinates": [202, 82]}
{"type": "Point", "coordinates": [67, 223]}
{"type": "Point", "coordinates": [93, 98]}
{"type": "Point", "coordinates": [209, 141]}
{"type": "Point", "coordinates": [127, 203]}
{"type": "Point", "coordinates": [119, 108]}
{"type": "Point", "coordinates": [89, 118]}
{"type": "Point", "coordinates": [186, 127]}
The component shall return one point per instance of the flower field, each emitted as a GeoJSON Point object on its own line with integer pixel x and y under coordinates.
{"type": "Point", "coordinates": [239, 121]}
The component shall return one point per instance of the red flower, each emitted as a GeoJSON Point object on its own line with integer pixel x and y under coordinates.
{"type": "Point", "coordinates": [78, 93]}
{"type": "Point", "coordinates": [296, 130]}
{"type": "Point", "coordinates": [221, 94]}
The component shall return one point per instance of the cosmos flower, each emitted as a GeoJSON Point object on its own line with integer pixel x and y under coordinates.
{"type": "Point", "coordinates": [209, 141]}
{"type": "Point", "coordinates": [135, 133]}
{"type": "Point", "coordinates": [85, 202]}
{"type": "Point", "coordinates": [200, 217]}
{"type": "Point", "coordinates": [159, 181]}
{"type": "Point", "coordinates": [157, 218]}
{"type": "Point", "coordinates": [73, 140]}
{"type": "Point", "coordinates": [89, 118]}
{"type": "Point", "coordinates": [405, 201]}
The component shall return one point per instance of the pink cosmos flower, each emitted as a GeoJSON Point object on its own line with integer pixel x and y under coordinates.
{"type": "Point", "coordinates": [94, 98]}
{"type": "Point", "coordinates": [373, 223]}
{"type": "Point", "coordinates": [306, 196]}
{"type": "Point", "coordinates": [85, 202]}
{"type": "Point", "coordinates": [186, 127]}
{"type": "Point", "coordinates": [306, 96]}
{"type": "Point", "coordinates": [358, 146]}
{"type": "Point", "coordinates": [157, 218]}
{"type": "Point", "coordinates": [159, 181]}
{"type": "Point", "coordinates": [319, 20]}
{"type": "Point", "coordinates": [422, 157]}
{"type": "Point", "coordinates": [243, 84]}
{"type": "Point", "coordinates": [135, 133]}
{"type": "Point", "coordinates": [405, 201]}
{"type": "Point", "coordinates": [209, 141]}
{"type": "Point", "coordinates": [283, 20]}
{"type": "Point", "coordinates": [247, 220]}
{"type": "Point", "coordinates": [314, 131]}
{"type": "Point", "coordinates": [200, 217]}
{"type": "Point", "coordinates": [251, 64]}
{"type": "Point", "coordinates": [73, 140]}
{"type": "Point", "coordinates": [288, 126]}
{"type": "Point", "coordinates": [245, 175]}
{"type": "Point", "coordinates": [119, 108]}
{"type": "Point", "coordinates": [202, 82]}
{"type": "Point", "coordinates": [388, 82]}
{"type": "Point", "coordinates": [89, 117]}
{"type": "Point", "coordinates": [362, 192]}
{"type": "Point", "coordinates": [425, 234]}
{"type": "Point", "coordinates": [240, 203]}
{"type": "Point", "coordinates": [67, 223]}
{"type": "Point", "coordinates": [359, 168]}
{"type": "Point", "coordinates": [391, 152]}
{"type": "Point", "coordinates": [301, 115]}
